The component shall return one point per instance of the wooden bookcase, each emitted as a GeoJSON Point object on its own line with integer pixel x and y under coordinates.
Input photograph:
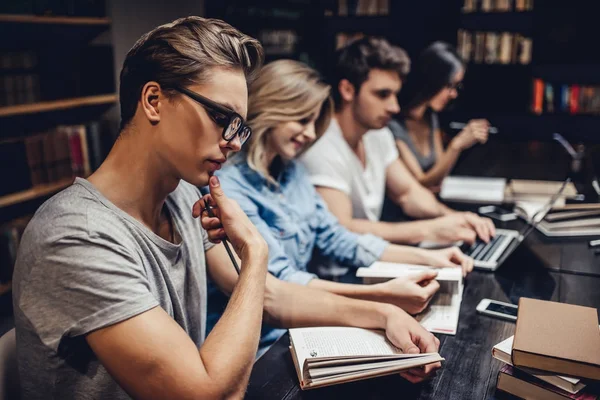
{"type": "Point", "coordinates": [75, 87]}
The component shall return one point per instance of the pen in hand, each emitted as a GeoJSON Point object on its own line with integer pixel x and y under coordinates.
{"type": "Point", "coordinates": [209, 211]}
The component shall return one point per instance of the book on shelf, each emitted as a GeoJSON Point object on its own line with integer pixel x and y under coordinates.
{"type": "Point", "coordinates": [574, 99]}
{"type": "Point", "coordinates": [487, 5]}
{"type": "Point", "coordinates": [494, 48]}
{"type": "Point", "coordinates": [469, 6]}
{"type": "Point", "coordinates": [442, 313]}
{"type": "Point", "coordinates": [362, 7]}
{"type": "Point", "coordinates": [278, 41]}
{"type": "Point", "coordinates": [506, 40]}
{"type": "Point", "coordinates": [327, 356]}
{"type": "Point", "coordinates": [48, 157]}
{"type": "Point", "coordinates": [19, 79]}
{"type": "Point", "coordinates": [559, 338]}
{"type": "Point", "coordinates": [464, 46]}
{"type": "Point", "coordinates": [525, 386]}
{"type": "Point", "coordinates": [491, 48]}
{"type": "Point", "coordinates": [503, 352]}
{"type": "Point", "coordinates": [479, 47]}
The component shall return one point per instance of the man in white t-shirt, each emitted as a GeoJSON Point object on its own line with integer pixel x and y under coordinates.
{"type": "Point", "coordinates": [356, 159]}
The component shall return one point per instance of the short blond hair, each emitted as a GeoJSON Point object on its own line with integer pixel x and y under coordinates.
{"type": "Point", "coordinates": [181, 53]}
{"type": "Point", "coordinates": [285, 90]}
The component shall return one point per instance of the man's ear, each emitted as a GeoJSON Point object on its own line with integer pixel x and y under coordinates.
{"type": "Point", "coordinates": [150, 101]}
{"type": "Point", "coordinates": [346, 89]}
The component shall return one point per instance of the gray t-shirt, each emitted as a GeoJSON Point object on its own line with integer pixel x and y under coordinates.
{"type": "Point", "coordinates": [400, 131]}
{"type": "Point", "coordinates": [84, 264]}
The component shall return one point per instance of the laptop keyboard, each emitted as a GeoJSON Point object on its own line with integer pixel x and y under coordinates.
{"type": "Point", "coordinates": [482, 251]}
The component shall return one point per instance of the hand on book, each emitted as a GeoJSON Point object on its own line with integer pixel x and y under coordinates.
{"type": "Point", "coordinates": [450, 257]}
{"type": "Point", "coordinates": [229, 222]}
{"type": "Point", "coordinates": [412, 293]}
{"type": "Point", "coordinates": [409, 336]}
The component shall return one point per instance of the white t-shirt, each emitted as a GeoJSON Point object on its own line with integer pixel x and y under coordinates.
{"type": "Point", "coordinates": [332, 163]}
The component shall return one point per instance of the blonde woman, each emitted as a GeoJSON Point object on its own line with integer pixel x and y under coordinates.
{"type": "Point", "coordinates": [290, 108]}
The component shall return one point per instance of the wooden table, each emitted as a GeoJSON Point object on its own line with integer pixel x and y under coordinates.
{"type": "Point", "coordinates": [549, 269]}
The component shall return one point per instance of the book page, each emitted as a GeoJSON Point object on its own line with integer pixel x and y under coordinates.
{"type": "Point", "coordinates": [382, 269]}
{"type": "Point", "coordinates": [441, 316]}
{"type": "Point", "coordinates": [338, 342]}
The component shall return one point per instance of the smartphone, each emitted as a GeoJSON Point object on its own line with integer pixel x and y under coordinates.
{"type": "Point", "coordinates": [497, 213]}
{"type": "Point", "coordinates": [498, 309]}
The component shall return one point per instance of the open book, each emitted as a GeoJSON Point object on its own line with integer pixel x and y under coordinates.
{"type": "Point", "coordinates": [502, 351]}
{"type": "Point", "coordinates": [331, 355]}
{"type": "Point", "coordinates": [441, 316]}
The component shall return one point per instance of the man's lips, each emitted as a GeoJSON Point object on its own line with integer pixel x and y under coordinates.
{"type": "Point", "coordinates": [216, 164]}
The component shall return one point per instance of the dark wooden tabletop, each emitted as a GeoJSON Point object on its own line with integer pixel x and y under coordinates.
{"type": "Point", "coordinates": [563, 270]}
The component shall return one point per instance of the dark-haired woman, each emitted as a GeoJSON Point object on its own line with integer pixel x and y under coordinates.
{"type": "Point", "coordinates": [436, 79]}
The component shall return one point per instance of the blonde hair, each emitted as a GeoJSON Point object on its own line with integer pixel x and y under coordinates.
{"type": "Point", "coordinates": [285, 90]}
{"type": "Point", "coordinates": [183, 52]}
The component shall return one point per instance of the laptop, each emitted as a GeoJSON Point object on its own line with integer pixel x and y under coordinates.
{"type": "Point", "coordinates": [489, 256]}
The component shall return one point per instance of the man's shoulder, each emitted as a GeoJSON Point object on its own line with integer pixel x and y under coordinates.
{"type": "Point", "coordinates": [77, 211]}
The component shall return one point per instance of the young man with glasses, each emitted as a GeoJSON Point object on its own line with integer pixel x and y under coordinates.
{"type": "Point", "coordinates": [110, 280]}
{"type": "Point", "coordinates": [356, 160]}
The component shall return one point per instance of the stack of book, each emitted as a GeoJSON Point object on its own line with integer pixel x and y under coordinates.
{"type": "Point", "coordinates": [554, 354]}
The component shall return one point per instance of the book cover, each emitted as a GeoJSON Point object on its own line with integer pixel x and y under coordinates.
{"type": "Point", "coordinates": [557, 337]}
{"type": "Point", "coordinates": [521, 384]}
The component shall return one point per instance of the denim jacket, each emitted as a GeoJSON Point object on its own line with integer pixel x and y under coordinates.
{"type": "Point", "coordinates": [293, 219]}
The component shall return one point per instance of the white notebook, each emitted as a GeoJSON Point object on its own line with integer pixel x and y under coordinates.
{"type": "Point", "coordinates": [473, 189]}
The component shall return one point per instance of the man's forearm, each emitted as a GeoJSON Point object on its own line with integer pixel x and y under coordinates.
{"type": "Point", "coordinates": [230, 349]}
{"type": "Point", "coordinates": [411, 232]}
{"type": "Point", "coordinates": [291, 306]}
{"type": "Point", "coordinates": [355, 291]}
{"type": "Point", "coordinates": [421, 203]}
{"type": "Point", "coordinates": [404, 254]}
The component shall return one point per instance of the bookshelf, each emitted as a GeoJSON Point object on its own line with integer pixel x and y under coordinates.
{"type": "Point", "coordinates": [34, 193]}
{"type": "Point", "coordinates": [56, 86]}
{"type": "Point", "coordinates": [530, 101]}
{"type": "Point", "coordinates": [56, 105]}
{"type": "Point", "coordinates": [56, 20]}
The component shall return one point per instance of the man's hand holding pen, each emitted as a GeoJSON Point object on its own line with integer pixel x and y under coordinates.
{"type": "Point", "coordinates": [229, 222]}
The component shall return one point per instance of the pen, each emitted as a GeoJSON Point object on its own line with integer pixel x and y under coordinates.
{"type": "Point", "coordinates": [594, 243]}
{"type": "Point", "coordinates": [209, 211]}
{"type": "Point", "coordinates": [460, 125]}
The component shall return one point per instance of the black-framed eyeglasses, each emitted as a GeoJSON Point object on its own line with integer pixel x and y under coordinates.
{"type": "Point", "coordinates": [232, 122]}
{"type": "Point", "coordinates": [458, 86]}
